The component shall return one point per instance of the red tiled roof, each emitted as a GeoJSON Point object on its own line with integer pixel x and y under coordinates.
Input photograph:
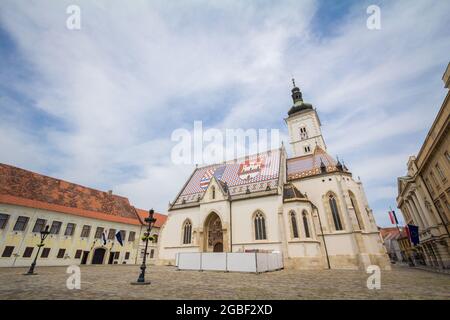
{"type": "Point", "coordinates": [309, 165]}
{"type": "Point", "coordinates": [26, 188]}
{"type": "Point", "coordinates": [392, 233]}
{"type": "Point", "coordinates": [160, 218]}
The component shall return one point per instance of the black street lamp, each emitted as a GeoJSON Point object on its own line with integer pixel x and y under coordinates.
{"type": "Point", "coordinates": [150, 221]}
{"type": "Point", "coordinates": [44, 233]}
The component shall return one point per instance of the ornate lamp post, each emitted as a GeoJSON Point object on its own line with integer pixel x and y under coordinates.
{"type": "Point", "coordinates": [150, 221]}
{"type": "Point", "coordinates": [44, 233]}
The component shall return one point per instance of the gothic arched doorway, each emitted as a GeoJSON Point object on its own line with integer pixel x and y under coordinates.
{"type": "Point", "coordinates": [218, 247]}
{"type": "Point", "coordinates": [99, 255]}
{"type": "Point", "coordinates": [213, 234]}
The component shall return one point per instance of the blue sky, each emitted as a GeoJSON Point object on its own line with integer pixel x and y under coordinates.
{"type": "Point", "coordinates": [97, 106]}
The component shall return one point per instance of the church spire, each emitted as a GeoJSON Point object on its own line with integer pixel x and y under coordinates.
{"type": "Point", "coordinates": [296, 93]}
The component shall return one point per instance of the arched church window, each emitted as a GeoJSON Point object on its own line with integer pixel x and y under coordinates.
{"type": "Point", "coordinates": [294, 224]}
{"type": "Point", "coordinates": [213, 192]}
{"type": "Point", "coordinates": [306, 224]}
{"type": "Point", "coordinates": [187, 232]}
{"type": "Point", "coordinates": [307, 148]}
{"type": "Point", "coordinates": [303, 133]}
{"type": "Point", "coordinates": [335, 212]}
{"type": "Point", "coordinates": [260, 226]}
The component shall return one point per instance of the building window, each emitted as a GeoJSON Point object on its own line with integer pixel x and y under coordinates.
{"type": "Point", "coordinates": [99, 232]}
{"type": "Point", "coordinates": [447, 155]}
{"type": "Point", "coordinates": [307, 148]}
{"type": "Point", "coordinates": [303, 133]}
{"type": "Point", "coordinates": [123, 233]}
{"type": "Point", "coordinates": [116, 255]}
{"type": "Point", "coordinates": [155, 238]}
{"type": "Point", "coordinates": [56, 227]}
{"type": "Point", "coordinates": [131, 236]}
{"type": "Point", "coordinates": [39, 225]}
{"type": "Point", "coordinates": [305, 224]}
{"type": "Point", "coordinates": [441, 211]}
{"type": "Point", "coordinates": [427, 182]}
{"type": "Point", "coordinates": [70, 229]}
{"type": "Point", "coordinates": [213, 192]}
{"type": "Point", "coordinates": [3, 220]}
{"type": "Point", "coordinates": [7, 252]}
{"type": "Point", "coordinates": [127, 255]}
{"type": "Point", "coordinates": [152, 253]}
{"type": "Point", "coordinates": [61, 253]}
{"type": "Point", "coordinates": [294, 225]}
{"type": "Point", "coordinates": [111, 234]}
{"type": "Point", "coordinates": [28, 252]}
{"type": "Point", "coordinates": [260, 226]}
{"type": "Point", "coordinates": [335, 213]}
{"type": "Point", "coordinates": [433, 178]}
{"type": "Point", "coordinates": [440, 173]}
{"type": "Point", "coordinates": [45, 253]}
{"type": "Point", "coordinates": [21, 223]}
{"type": "Point", "coordinates": [78, 254]}
{"type": "Point", "coordinates": [85, 231]}
{"type": "Point", "coordinates": [187, 232]}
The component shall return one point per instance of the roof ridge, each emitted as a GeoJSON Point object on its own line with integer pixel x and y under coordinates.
{"type": "Point", "coordinates": [238, 158]}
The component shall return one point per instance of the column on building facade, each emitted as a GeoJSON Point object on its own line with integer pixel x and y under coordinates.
{"type": "Point", "coordinates": [427, 215]}
{"type": "Point", "coordinates": [415, 214]}
{"type": "Point", "coordinates": [419, 211]}
{"type": "Point", "coordinates": [432, 210]}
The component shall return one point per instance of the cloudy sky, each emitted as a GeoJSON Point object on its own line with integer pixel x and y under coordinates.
{"type": "Point", "coordinates": [97, 106]}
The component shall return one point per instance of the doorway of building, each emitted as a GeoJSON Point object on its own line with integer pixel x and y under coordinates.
{"type": "Point", "coordinates": [214, 234]}
{"type": "Point", "coordinates": [85, 257]}
{"type": "Point", "coordinates": [218, 247]}
{"type": "Point", "coordinates": [99, 255]}
{"type": "Point", "coordinates": [111, 257]}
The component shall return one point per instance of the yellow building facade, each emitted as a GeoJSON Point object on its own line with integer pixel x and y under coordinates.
{"type": "Point", "coordinates": [424, 193]}
{"type": "Point", "coordinates": [87, 226]}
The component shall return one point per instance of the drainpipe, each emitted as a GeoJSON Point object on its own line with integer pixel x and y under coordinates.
{"type": "Point", "coordinates": [323, 237]}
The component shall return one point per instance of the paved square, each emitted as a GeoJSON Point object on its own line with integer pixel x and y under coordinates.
{"type": "Point", "coordinates": [113, 282]}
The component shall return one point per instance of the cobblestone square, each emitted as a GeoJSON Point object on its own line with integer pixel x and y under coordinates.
{"type": "Point", "coordinates": [113, 282]}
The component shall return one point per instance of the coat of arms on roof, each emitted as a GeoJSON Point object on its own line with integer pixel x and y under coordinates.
{"type": "Point", "coordinates": [251, 168]}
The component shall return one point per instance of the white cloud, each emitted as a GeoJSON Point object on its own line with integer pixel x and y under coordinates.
{"type": "Point", "coordinates": [133, 73]}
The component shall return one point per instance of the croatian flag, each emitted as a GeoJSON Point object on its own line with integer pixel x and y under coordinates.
{"type": "Point", "coordinates": [393, 217]}
{"type": "Point", "coordinates": [413, 232]}
{"type": "Point", "coordinates": [119, 238]}
{"type": "Point", "coordinates": [104, 237]}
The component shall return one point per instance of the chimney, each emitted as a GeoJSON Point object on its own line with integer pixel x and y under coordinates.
{"type": "Point", "coordinates": [110, 192]}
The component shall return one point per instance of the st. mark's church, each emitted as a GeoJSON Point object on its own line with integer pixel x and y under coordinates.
{"type": "Point", "coordinates": [308, 207]}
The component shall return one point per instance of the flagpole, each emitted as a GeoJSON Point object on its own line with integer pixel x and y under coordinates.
{"type": "Point", "coordinates": [395, 219]}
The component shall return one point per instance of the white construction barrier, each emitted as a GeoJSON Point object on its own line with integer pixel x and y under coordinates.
{"type": "Point", "coordinates": [189, 261]}
{"type": "Point", "coordinates": [235, 261]}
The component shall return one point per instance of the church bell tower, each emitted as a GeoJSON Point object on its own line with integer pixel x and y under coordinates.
{"type": "Point", "coordinates": [303, 125]}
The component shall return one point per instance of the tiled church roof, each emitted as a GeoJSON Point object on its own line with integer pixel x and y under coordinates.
{"type": "Point", "coordinates": [255, 173]}
{"type": "Point", "coordinates": [26, 188]}
{"type": "Point", "coordinates": [291, 193]}
{"type": "Point", "coordinates": [311, 164]}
